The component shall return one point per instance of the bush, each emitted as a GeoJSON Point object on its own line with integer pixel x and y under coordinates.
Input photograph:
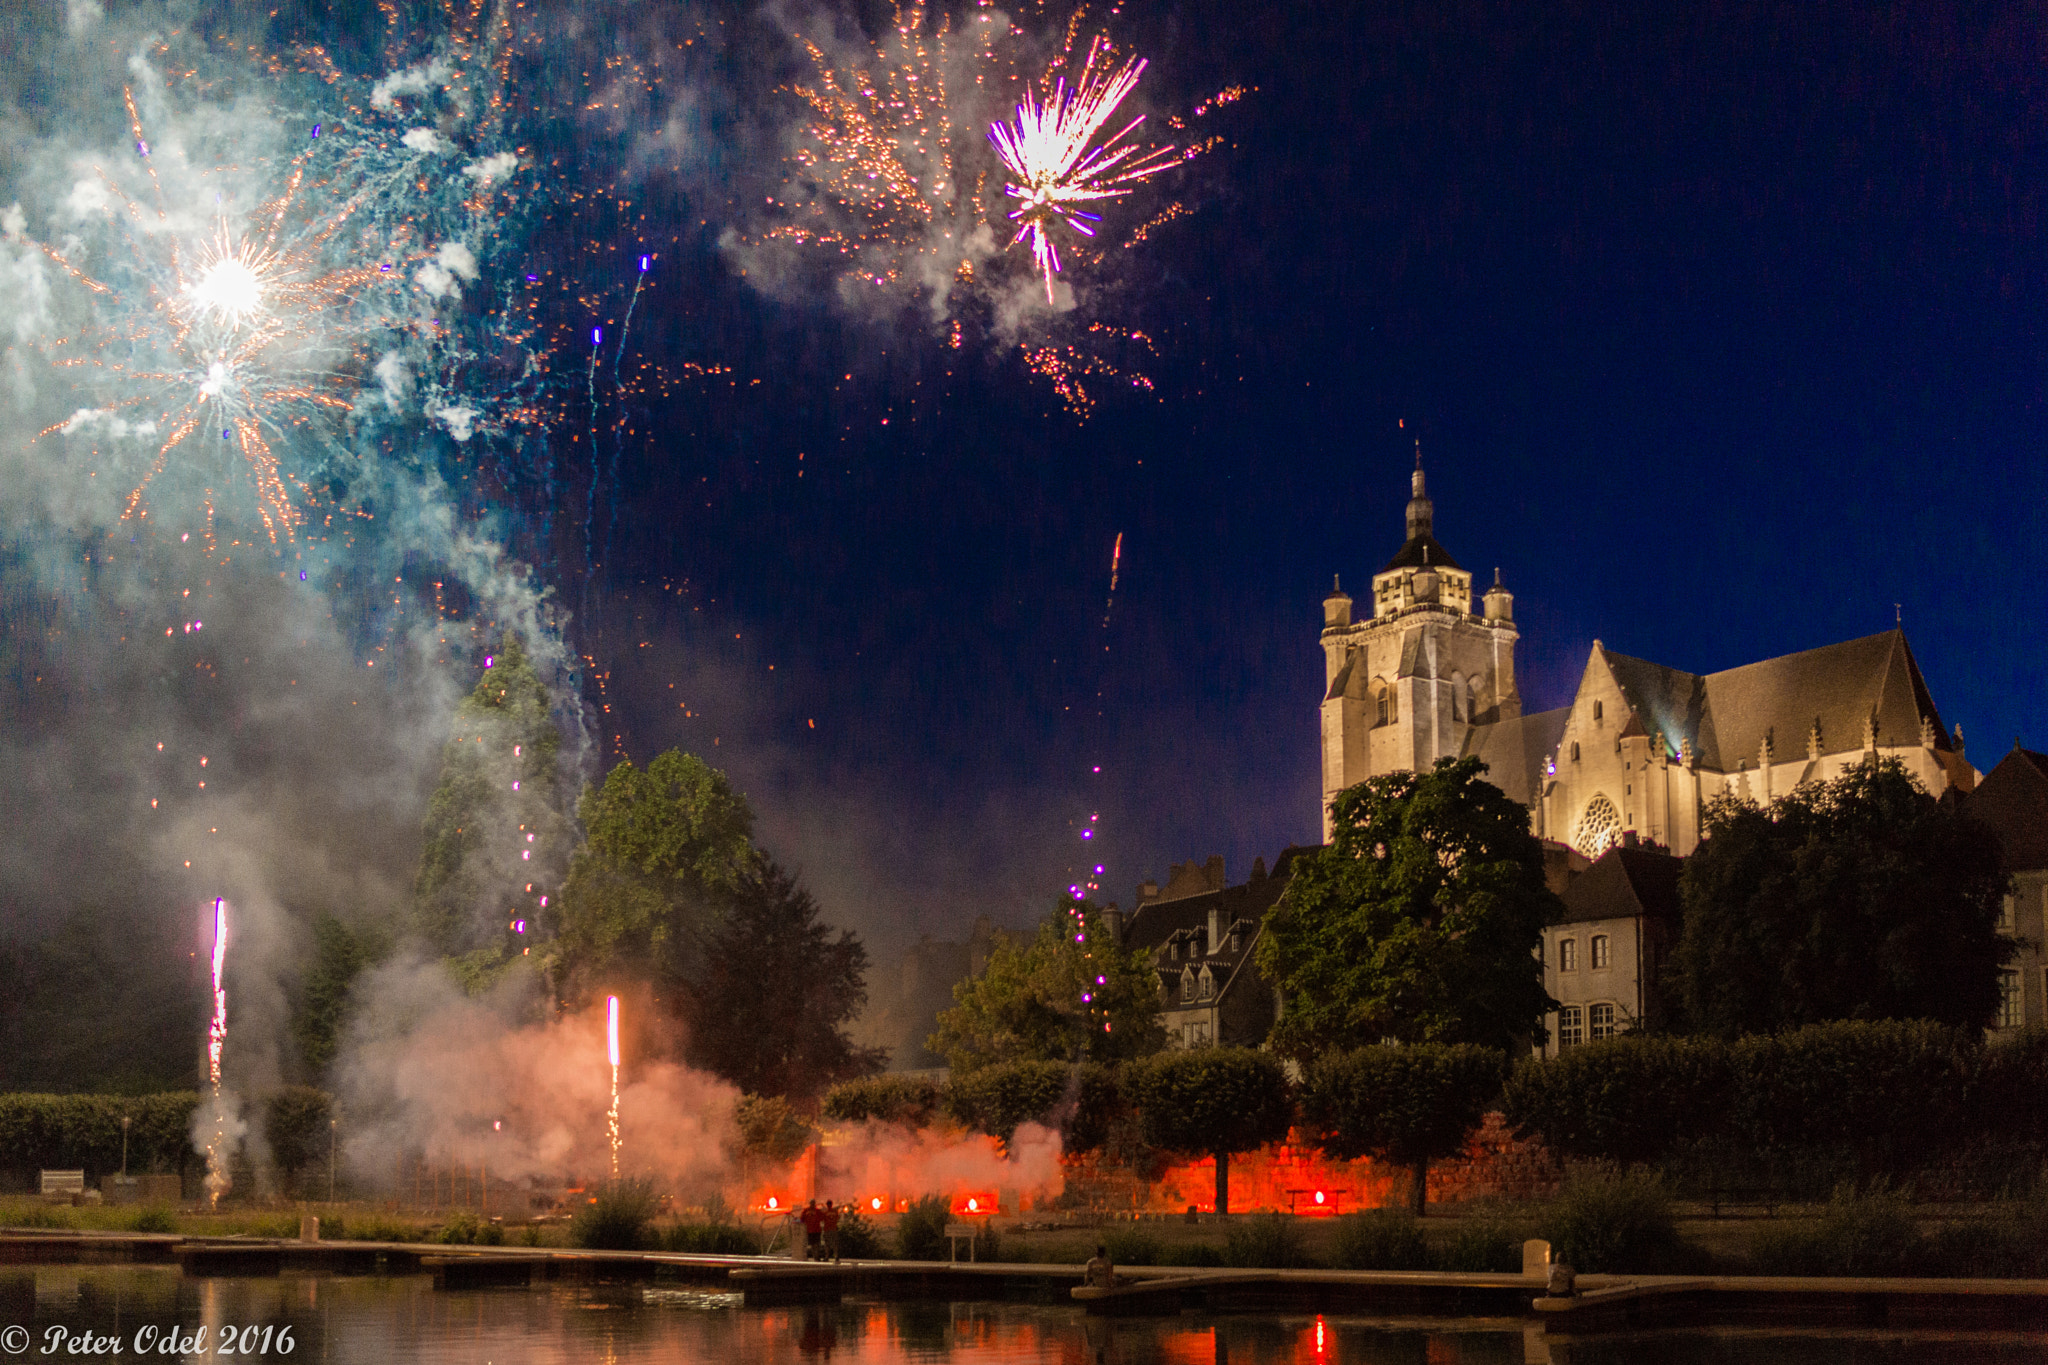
{"type": "Point", "coordinates": [36, 1216]}
{"type": "Point", "coordinates": [1129, 1246]}
{"type": "Point", "coordinates": [771, 1129]}
{"type": "Point", "coordinates": [1199, 1254]}
{"type": "Point", "coordinates": [617, 1220]}
{"type": "Point", "coordinates": [1488, 1239]}
{"type": "Point", "coordinates": [376, 1227]}
{"type": "Point", "coordinates": [921, 1230]}
{"type": "Point", "coordinates": [1614, 1223]}
{"type": "Point", "coordinates": [157, 1219]}
{"type": "Point", "coordinates": [1380, 1239]}
{"type": "Point", "coordinates": [997, 1099]}
{"type": "Point", "coordinates": [466, 1229]}
{"type": "Point", "coordinates": [295, 1124]}
{"type": "Point", "coordinates": [1214, 1101]}
{"type": "Point", "coordinates": [711, 1239]}
{"type": "Point", "coordinates": [1894, 1092]}
{"type": "Point", "coordinates": [2012, 1243]}
{"type": "Point", "coordinates": [859, 1238]}
{"type": "Point", "coordinates": [909, 1100]}
{"type": "Point", "coordinates": [1264, 1241]}
{"type": "Point", "coordinates": [1868, 1234]}
{"type": "Point", "coordinates": [1621, 1099]}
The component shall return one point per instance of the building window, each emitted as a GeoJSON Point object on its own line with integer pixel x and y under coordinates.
{"type": "Point", "coordinates": [1208, 985]}
{"type": "Point", "coordinates": [1599, 826]}
{"type": "Point", "coordinates": [1596, 710]}
{"type": "Point", "coordinates": [1601, 1020]}
{"type": "Point", "coordinates": [1187, 985]}
{"type": "Point", "coordinates": [2011, 1013]}
{"type": "Point", "coordinates": [1567, 954]}
{"type": "Point", "coordinates": [1600, 959]}
{"type": "Point", "coordinates": [2005, 913]}
{"type": "Point", "coordinates": [1575, 751]}
{"type": "Point", "coordinates": [1571, 1027]}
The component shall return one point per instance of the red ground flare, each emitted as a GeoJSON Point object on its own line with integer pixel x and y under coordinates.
{"type": "Point", "coordinates": [775, 1201]}
{"type": "Point", "coordinates": [976, 1204]}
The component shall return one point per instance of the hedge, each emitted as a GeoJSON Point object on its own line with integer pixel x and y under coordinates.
{"type": "Point", "coordinates": [909, 1100]}
{"type": "Point", "coordinates": [71, 1132]}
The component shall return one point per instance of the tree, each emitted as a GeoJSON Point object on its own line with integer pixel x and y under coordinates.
{"type": "Point", "coordinates": [340, 953]}
{"type": "Point", "coordinates": [1417, 923]}
{"type": "Point", "coordinates": [1214, 1100]}
{"type": "Point", "coordinates": [1407, 1104]}
{"type": "Point", "coordinates": [1073, 994]}
{"type": "Point", "coordinates": [666, 846]}
{"type": "Point", "coordinates": [777, 989]}
{"type": "Point", "coordinates": [910, 1101]}
{"type": "Point", "coordinates": [1857, 898]}
{"type": "Point", "coordinates": [496, 836]}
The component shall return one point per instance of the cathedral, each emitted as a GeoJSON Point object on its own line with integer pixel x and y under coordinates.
{"type": "Point", "coordinates": [1428, 672]}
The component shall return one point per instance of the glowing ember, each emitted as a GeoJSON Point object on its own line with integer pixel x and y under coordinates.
{"type": "Point", "coordinates": [611, 1036]}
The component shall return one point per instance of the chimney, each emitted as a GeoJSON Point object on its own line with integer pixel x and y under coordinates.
{"type": "Point", "coordinates": [1212, 872]}
{"type": "Point", "coordinates": [1114, 918]}
{"type": "Point", "coordinates": [1215, 930]}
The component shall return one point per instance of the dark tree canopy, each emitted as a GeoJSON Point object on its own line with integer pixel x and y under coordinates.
{"type": "Point", "coordinates": [1857, 898]}
{"type": "Point", "coordinates": [1417, 923]}
{"type": "Point", "coordinates": [1072, 994]}
{"type": "Point", "coordinates": [499, 785]}
{"type": "Point", "coordinates": [1214, 1100]}
{"type": "Point", "coordinates": [320, 1012]}
{"type": "Point", "coordinates": [770, 1010]}
{"type": "Point", "coordinates": [1407, 1104]}
{"type": "Point", "coordinates": [666, 846]}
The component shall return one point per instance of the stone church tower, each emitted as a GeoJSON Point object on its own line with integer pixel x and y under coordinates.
{"type": "Point", "coordinates": [1408, 684]}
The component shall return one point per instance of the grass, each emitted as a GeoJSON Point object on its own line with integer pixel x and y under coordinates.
{"type": "Point", "coordinates": [618, 1218]}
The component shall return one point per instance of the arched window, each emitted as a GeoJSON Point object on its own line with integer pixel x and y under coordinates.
{"type": "Point", "coordinates": [1600, 952]}
{"type": "Point", "coordinates": [1599, 827]}
{"type": "Point", "coordinates": [1571, 1027]}
{"type": "Point", "coordinates": [1600, 1019]}
{"type": "Point", "coordinates": [1187, 985]}
{"type": "Point", "coordinates": [1383, 703]}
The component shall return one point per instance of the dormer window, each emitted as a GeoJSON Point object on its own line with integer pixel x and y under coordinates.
{"type": "Point", "coordinates": [1208, 985]}
{"type": "Point", "coordinates": [1187, 985]}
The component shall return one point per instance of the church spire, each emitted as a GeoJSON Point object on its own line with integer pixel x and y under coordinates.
{"type": "Point", "coordinates": [1421, 511]}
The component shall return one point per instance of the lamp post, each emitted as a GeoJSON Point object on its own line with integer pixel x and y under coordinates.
{"type": "Point", "coordinates": [331, 1121]}
{"type": "Point", "coordinates": [126, 1119]}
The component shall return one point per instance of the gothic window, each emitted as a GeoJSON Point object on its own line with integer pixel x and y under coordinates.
{"type": "Point", "coordinates": [1567, 954]}
{"type": "Point", "coordinates": [1383, 703]}
{"type": "Point", "coordinates": [1600, 955]}
{"type": "Point", "coordinates": [1571, 1027]}
{"type": "Point", "coordinates": [1599, 827]}
{"type": "Point", "coordinates": [1600, 1020]}
{"type": "Point", "coordinates": [2010, 1011]}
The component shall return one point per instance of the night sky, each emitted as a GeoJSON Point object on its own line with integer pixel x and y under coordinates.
{"type": "Point", "coordinates": [1718, 324]}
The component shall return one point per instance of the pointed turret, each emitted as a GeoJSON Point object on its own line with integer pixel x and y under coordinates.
{"type": "Point", "coordinates": [1421, 511]}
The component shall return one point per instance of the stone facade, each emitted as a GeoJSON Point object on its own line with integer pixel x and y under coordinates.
{"type": "Point", "coordinates": [1642, 748]}
{"type": "Point", "coordinates": [1603, 956]}
{"type": "Point", "coordinates": [2013, 800]}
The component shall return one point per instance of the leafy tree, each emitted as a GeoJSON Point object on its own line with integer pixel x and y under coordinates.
{"type": "Point", "coordinates": [340, 953]}
{"type": "Point", "coordinates": [295, 1120]}
{"type": "Point", "coordinates": [1417, 923]}
{"type": "Point", "coordinates": [1858, 898]}
{"type": "Point", "coordinates": [1214, 1100]}
{"type": "Point", "coordinates": [1072, 994]}
{"type": "Point", "coordinates": [497, 802]}
{"type": "Point", "coordinates": [666, 845]}
{"type": "Point", "coordinates": [1407, 1104]}
{"type": "Point", "coordinates": [911, 1101]}
{"type": "Point", "coordinates": [1082, 1101]}
{"type": "Point", "coordinates": [771, 1130]}
{"type": "Point", "coordinates": [770, 1010]}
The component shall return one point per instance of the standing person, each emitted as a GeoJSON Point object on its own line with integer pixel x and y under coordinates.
{"type": "Point", "coordinates": [814, 1229]}
{"type": "Point", "coordinates": [832, 1214]}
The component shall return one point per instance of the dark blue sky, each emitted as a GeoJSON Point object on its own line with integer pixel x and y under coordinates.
{"type": "Point", "coordinates": [1719, 324]}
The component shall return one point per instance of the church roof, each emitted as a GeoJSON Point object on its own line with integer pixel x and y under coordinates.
{"type": "Point", "coordinates": [1727, 715]}
{"type": "Point", "coordinates": [2013, 800]}
{"type": "Point", "coordinates": [1513, 750]}
{"type": "Point", "coordinates": [1624, 883]}
{"type": "Point", "coordinates": [1420, 550]}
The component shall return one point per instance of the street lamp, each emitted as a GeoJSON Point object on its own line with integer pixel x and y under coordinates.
{"type": "Point", "coordinates": [331, 1121]}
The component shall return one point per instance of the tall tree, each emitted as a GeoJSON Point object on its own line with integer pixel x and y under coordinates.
{"type": "Point", "coordinates": [1417, 923]}
{"type": "Point", "coordinates": [777, 992]}
{"type": "Point", "coordinates": [666, 847]}
{"type": "Point", "coordinates": [1214, 1101]}
{"type": "Point", "coordinates": [320, 1009]}
{"type": "Point", "coordinates": [1072, 994]}
{"type": "Point", "coordinates": [496, 835]}
{"type": "Point", "coordinates": [1858, 898]}
{"type": "Point", "coordinates": [1407, 1104]}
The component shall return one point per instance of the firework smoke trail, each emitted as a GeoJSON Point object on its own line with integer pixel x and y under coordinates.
{"type": "Point", "coordinates": [218, 1179]}
{"type": "Point", "coordinates": [1048, 150]}
{"type": "Point", "coordinates": [611, 1039]}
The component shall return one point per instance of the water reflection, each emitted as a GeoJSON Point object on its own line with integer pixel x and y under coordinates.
{"type": "Point", "coordinates": [381, 1320]}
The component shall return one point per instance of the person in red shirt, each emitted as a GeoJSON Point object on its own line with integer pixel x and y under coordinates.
{"type": "Point", "coordinates": [831, 1231]}
{"type": "Point", "coordinates": [813, 1219]}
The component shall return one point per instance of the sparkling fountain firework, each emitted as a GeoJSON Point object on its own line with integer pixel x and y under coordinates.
{"type": "Point", "coordinates": [611, 1039]}
{"type": "Point", "coordinates": [218, 1178]}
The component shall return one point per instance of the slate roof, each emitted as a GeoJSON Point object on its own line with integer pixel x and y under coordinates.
{"type": "Point", "coordinates": [1726, 715]}
{"type": "Point", "coordinates": [1151, 924]}
{"type": "Point", "coordinates": [1420, 550]}
{"type": "Point", "coordinates": [2013, 800]}
{"type": "Point", "coordinates": [1513, 750]}
{"type": "Point", "coordinates": [1624, 883]}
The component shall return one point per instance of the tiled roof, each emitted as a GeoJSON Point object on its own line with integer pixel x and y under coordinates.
{"type": "Point", "coordinates": [2013, 800]}
{"type": "Point", "coordinates": [1624, 883]}
{"type": "Point", "coordinates": [1151, 924]}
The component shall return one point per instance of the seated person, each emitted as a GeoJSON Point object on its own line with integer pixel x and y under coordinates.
{"type": "Point", "coordinates": [1099, 1272]}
